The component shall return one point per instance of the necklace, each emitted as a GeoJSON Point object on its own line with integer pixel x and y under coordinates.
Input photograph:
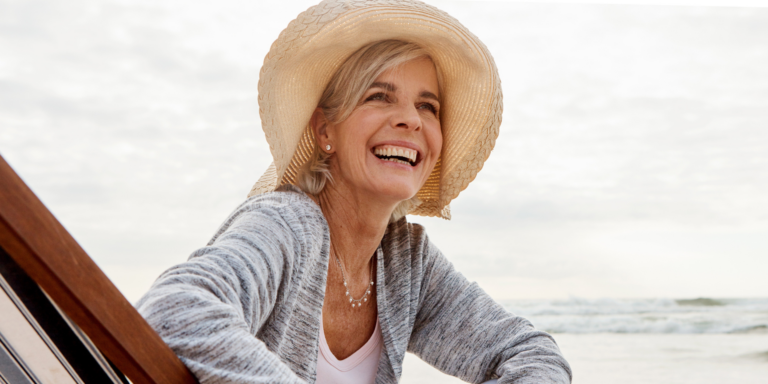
{"type": "Point", "coordinates": [356, 303]}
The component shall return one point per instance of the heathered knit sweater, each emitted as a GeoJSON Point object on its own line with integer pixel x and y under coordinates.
{"type": "Point", "coordinates": [247, 307]}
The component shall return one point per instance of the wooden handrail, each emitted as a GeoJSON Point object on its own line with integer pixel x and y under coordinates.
{"type": "Point", "coordinates": [33, 237]}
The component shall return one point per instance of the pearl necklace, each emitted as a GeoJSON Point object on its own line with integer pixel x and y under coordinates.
{"type": "Point", "coordinates": [359, 302]}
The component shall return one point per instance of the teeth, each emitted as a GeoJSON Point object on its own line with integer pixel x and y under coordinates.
{"type": "Point", "coordinates": [397, 161]}
{"type": "Point", "coordinates": [407, 153]}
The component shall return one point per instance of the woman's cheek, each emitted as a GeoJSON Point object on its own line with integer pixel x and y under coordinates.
{"type": "Point", "coordinates": [437, 139]}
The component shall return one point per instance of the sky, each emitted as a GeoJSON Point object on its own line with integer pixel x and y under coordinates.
{"type": "Point", "coordinates": [632, 159]}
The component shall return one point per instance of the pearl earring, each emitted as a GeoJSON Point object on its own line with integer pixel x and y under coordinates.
{"type": "Point", "coordinates": [328, 147]}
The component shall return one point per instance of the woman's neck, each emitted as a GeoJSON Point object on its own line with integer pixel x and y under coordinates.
{"type": "Point", "coordinates": [356, 225]}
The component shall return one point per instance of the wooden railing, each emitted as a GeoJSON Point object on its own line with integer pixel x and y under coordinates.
{"type": "Point", "coordinates": [33, 237]}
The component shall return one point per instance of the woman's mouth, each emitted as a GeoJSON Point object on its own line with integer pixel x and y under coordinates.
{"type": "Point", "coordinates": [396, 154]}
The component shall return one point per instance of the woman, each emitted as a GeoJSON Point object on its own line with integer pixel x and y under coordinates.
{"type": "Point", "coordinates": [372, 110]}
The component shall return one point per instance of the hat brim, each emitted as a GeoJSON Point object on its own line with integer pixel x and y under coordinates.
{"type": "Point", "coordinates": [309, 52]}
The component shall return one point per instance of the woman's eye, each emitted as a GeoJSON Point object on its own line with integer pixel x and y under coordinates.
{"type": "Point", "coordinates": [380, 96]}
{"type": "Point", "coordinates": [429, 107]}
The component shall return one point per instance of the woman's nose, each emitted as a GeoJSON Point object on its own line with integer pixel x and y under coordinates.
{"type": "Point", "coordinates": [407, 116]}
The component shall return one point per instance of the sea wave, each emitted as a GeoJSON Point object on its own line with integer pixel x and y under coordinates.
{"type": "Point", "coordinates": [697, 315]}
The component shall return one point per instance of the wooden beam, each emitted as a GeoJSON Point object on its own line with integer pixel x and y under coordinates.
{"type": "Point", "coordinates": [33, 237]}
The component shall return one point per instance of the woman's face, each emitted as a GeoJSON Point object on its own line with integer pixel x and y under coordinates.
{"type": "Point", "coordinates": [390, 143]}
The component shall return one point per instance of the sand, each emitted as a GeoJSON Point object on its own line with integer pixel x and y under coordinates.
{"type": "Point", "coordinates": [645, 358]}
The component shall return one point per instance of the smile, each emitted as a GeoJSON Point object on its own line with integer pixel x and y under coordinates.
{"type": "Point", "coordinates": [395, 154]}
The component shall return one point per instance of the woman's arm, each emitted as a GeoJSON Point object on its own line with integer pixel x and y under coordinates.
{"type": "Point", "coordinates": [209, 308]}
{"type": "Point", "coordinates": [460, 330]}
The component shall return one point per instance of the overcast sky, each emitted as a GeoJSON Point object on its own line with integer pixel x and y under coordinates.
{"type": "Point", "coordinates": [632, 159]}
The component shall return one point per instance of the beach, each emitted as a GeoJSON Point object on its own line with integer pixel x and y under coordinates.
{"type": "Point", "coordinates": [644, 358]}
{"type": "Point", "coordinates": [655, 341]}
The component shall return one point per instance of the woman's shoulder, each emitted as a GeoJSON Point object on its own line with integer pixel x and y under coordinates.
{"type": "Point", "coordinates": [287, 208]}
{"type": "Point", "coordinates": [403, 237]}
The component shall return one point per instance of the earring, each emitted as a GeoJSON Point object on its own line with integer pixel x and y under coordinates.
{"type": "Point", "coordinates": [328, 147]}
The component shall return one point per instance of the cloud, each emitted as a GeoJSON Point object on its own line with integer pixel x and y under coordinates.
{"type": "Point", "coordinates": [624, 127]}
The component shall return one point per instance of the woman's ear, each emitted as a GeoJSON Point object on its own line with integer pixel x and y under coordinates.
{"type": "Point", "coordinates": [319, 124]}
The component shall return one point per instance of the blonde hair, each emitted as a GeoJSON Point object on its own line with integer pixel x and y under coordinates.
{"type": "Point", "coordinates": [344, 93]}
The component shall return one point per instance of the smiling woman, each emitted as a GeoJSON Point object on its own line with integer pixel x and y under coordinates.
{"type": "Point", "coordinates": [372, 110]}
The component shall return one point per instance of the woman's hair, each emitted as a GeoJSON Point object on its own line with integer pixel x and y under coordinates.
{"type": "Point", "coordinates": [344, 93]}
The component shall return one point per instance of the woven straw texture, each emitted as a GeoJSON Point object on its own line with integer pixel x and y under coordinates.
{"type": "Point", "coordinates": [310, 50]}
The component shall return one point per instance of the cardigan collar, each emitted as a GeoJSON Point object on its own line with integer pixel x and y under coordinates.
{"type": "Point", "coordinates": [393, 315]}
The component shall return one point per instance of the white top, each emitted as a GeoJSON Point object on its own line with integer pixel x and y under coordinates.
{"type": "Point", "coordinates": [359, 368]}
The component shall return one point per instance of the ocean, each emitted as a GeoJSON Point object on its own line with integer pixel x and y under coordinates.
{"type": "Point", "coordinates": [659, 341]}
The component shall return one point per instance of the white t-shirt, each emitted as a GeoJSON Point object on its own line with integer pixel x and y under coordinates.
{"type": "Point", "coordinates": [359, 368]}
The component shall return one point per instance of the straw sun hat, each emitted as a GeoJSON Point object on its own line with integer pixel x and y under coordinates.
{"type": "Point", "coordinates": [308, 52]}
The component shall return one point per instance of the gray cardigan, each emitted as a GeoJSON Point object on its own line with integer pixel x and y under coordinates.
{"type": "Point", "coordinates": [246, 308]}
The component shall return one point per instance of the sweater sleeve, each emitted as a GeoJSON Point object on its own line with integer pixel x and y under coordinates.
{"type": "Point", "coordinates": [209, 308]}
{"type": "Point", "coordinates": [461, 331]}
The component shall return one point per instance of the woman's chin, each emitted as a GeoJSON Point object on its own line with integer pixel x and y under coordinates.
{"type": "Point", "coordinates": [392, 183]}
{"type": "Point", "coordinates": [396, 192]}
